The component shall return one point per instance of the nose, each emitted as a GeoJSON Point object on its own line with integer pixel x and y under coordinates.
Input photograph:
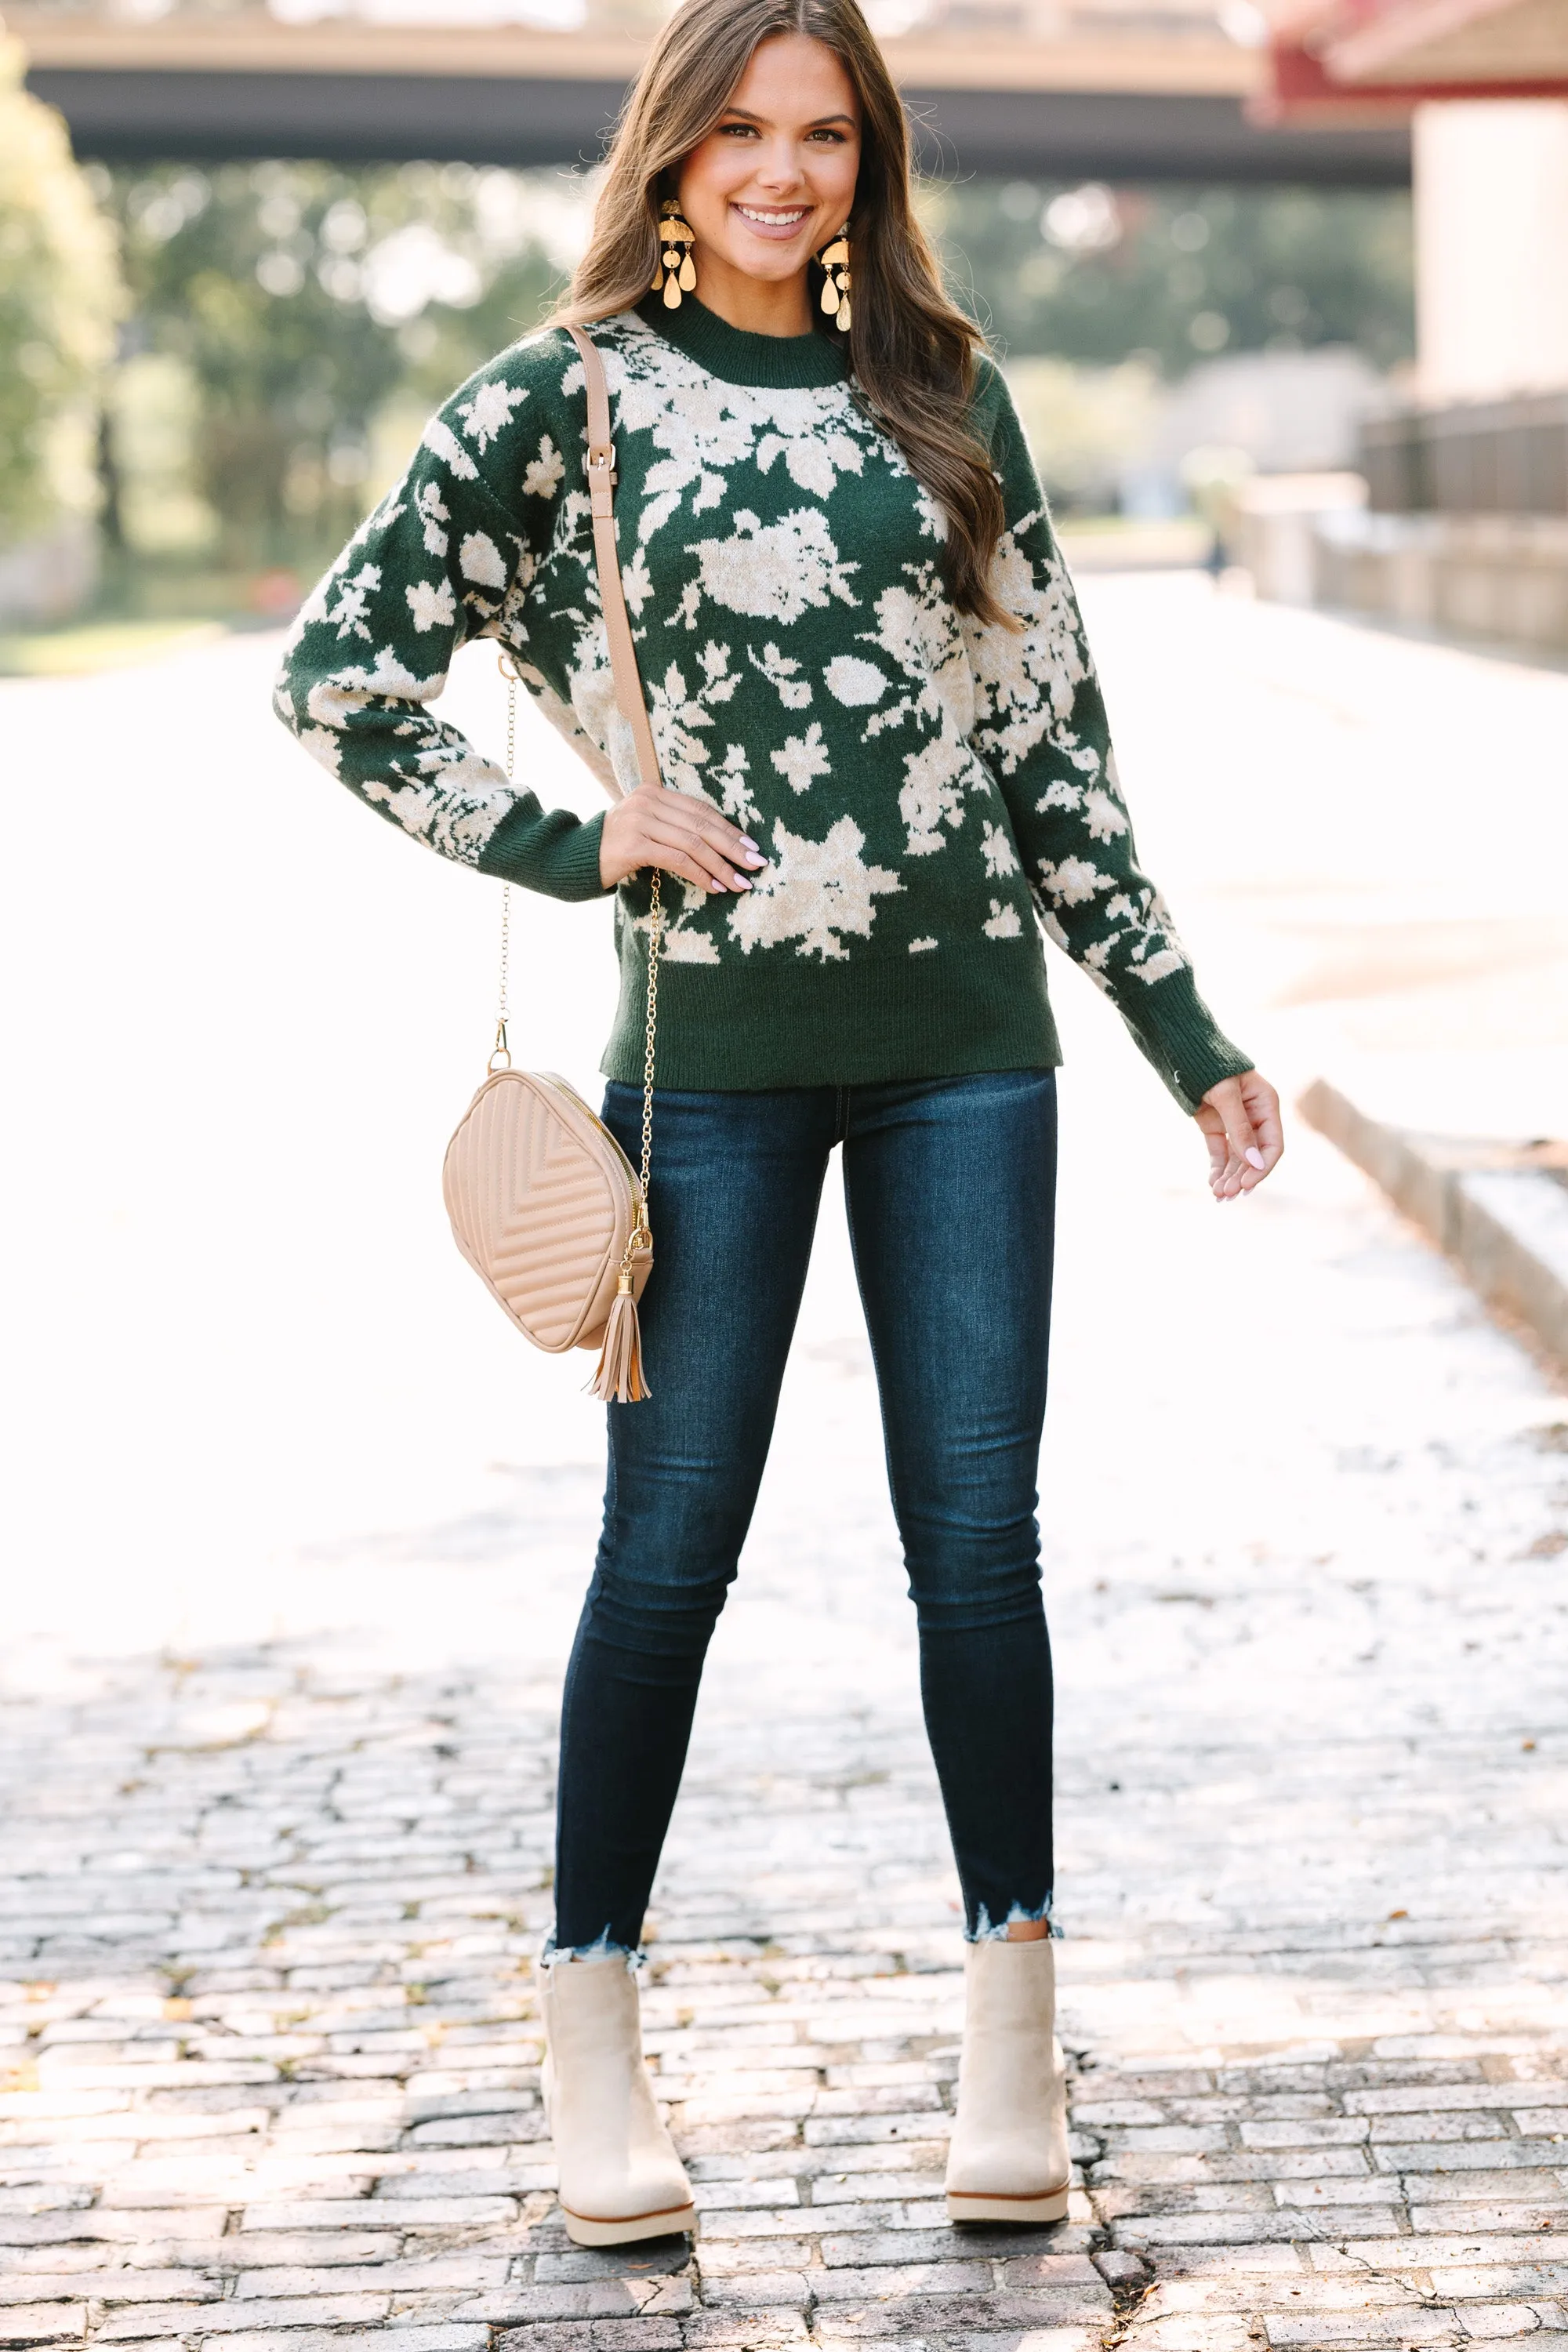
{"type": "Point", "coordinates": [778, 167]}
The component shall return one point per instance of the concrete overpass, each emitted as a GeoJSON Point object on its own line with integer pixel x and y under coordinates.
{"type": "Point", "coordinates": [1113, 104]}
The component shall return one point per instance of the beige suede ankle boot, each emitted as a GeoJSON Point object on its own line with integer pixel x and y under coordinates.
{"type": "Point", "coordinates": [1008, 2160]}
{"type": "Point", "coordinates": [620, 2177]}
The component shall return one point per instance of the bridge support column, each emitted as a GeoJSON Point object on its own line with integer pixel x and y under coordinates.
{"type": "Point", "coordinates": [1491, 246]}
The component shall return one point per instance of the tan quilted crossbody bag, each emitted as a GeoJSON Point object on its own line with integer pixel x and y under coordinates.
{"type": "Point", "coordinates": [544, 1204]}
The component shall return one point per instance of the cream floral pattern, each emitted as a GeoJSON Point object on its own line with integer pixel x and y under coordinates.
{"type": "Point", "coordinates": [770, 571]}
{"type": "Point", "coordinates": [918, 781]}
{"type": "Point", "coordinates": [815, 892]}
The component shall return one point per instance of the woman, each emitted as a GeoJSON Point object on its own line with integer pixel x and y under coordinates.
{"type": "Point", "coordinates": [884, 754]}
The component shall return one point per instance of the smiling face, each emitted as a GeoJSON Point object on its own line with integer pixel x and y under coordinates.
{"type": "Point", "coordinates": [774, 179]}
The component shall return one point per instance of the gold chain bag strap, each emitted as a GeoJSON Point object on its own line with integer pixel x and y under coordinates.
{"type": "Point", "coordinates": [544, 1204]}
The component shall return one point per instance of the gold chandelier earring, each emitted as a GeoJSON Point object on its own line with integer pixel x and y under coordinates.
{"type": "Point", "coordinates": [677, 272]}
{"type": "Point", "coordinates": [834, 263]}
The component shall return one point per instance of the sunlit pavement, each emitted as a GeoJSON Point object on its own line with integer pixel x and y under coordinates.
{"type": "Point", "coordinates": [295, 1530]}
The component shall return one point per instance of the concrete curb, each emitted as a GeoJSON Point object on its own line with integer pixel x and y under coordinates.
{"type": "Point", "coordinates": [1499, 1210]}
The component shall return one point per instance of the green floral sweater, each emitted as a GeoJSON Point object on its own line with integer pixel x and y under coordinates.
{"type": "Point", "coordinates": [922, 786]}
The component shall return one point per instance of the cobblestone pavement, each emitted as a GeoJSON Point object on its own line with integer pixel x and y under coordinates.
{"type": "Point", "coordinates": [283, 1666]}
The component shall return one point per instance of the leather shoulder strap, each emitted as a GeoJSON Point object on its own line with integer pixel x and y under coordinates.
{"type": "Point", "coordinates": [611, 597]}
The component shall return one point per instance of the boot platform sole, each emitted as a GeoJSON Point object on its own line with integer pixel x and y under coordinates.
{"type": "Point", "coordinates": [673, 2221]}
{"type": "Point", "coordinates": [982, 2206]}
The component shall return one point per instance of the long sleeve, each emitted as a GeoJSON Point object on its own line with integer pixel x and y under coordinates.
{"type": "Point", "coordinates": [1041, 729]}
{"type": "Point", "coordinates": [448, 555]}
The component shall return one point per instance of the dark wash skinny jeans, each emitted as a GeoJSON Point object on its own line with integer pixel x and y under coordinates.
{"type": "Point", "coordinates": [950, 1186]}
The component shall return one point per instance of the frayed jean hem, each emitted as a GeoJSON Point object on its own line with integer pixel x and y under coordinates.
{"type": "Point", "coordinates": [985, 1931]}
{"type": "Point", "coordinates": [603, 1948]}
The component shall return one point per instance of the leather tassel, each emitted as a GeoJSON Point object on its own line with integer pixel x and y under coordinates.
{"type": "Point", "coordinates": [620, 1377]}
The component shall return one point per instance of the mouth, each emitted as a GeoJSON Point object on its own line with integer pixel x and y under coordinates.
{"type": "Point", "coordinates": [777, 222]}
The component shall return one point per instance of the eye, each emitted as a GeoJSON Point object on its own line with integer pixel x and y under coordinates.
{"type": "Point", "coordinates": [828, 136]}
{"type": "Point", "coordinates": [737, 130]}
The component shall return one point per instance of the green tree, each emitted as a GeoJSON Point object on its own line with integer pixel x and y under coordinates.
{"type": "Point", "coordinates": [60, 296]}
{"type": "Point", "coordinates": [310, 311]}
{"type": "Point", "coordinates": [302, 297]}
{"type": "Point", "coordinates": [1097, 275]}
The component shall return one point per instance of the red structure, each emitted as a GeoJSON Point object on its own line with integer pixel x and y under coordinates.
{"type": "Point", "coordinates": [1360, 60]}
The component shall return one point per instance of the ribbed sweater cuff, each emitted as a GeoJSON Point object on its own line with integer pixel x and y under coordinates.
{"type": "Point", "coordinates": [1180, 1036]}
{"type": "Point", "coordinates": [549, 850]}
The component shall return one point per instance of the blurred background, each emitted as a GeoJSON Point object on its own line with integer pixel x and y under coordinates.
{"type": "Point", "coordinates": [243, 248]}
{"type": "Point", "coordinates": [1283, 292]}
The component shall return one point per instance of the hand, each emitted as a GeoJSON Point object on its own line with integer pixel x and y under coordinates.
{"type": "Point", "coordinates": [654, 826]}
{"type": "Point", "coordinates": [1241, 1121]}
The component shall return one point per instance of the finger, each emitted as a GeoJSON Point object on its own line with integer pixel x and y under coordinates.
{"type": "Point", "coordinates": [1240, 1171]}
{"type": "Point", "coordinates": [1263, 1104]}
{"type": "Point", "coordinates": [735, 848]}
{"type": "Point", "coordinates": [683, 809]}
{"type": "Point", "coordinates": [1254, 1131]}
{"type": "Point", "coordinates": [687, 855]}
{"type": "Point", "coordinates": [1225, 1165]}
{"type": "Point", "coordinates": [1212, 1129]}
{"type": "Point", "coordinates": [1242, 1127]}
{"type": "Point", "coordinates": [685, 869]}
{"type": "Point", "coordinates": [717, 872]}
{"type": "Point", "coordinates": [728, 854]}
{"type": "Point", "coordinates": [728, 839]}
{"type": "Point", "coordinates": [727, 866]}
{"type": "Point", "coordinates": [1239, 1130]}
{"type": "Point", "coordinates": [720, 846]}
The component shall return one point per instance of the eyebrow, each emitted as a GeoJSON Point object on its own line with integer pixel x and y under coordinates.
{"type": "Point", "coordinates": [817, 123]}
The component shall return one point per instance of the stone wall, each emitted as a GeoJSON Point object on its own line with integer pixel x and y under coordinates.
{"type": "Point", "coordinates": [1498, 576]}
{"type": "Point", "coordinates": [1309, 539]}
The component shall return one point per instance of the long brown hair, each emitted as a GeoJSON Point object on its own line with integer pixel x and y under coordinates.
{"type": "Point", "coordinates": [912, 351]}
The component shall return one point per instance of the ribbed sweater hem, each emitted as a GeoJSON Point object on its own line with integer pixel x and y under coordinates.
{"type": "Point", "coordinates": [728, 1028]}
{"type": "Point", "coordinates": [554, 852]}
{"type": "Point", "coordinates": [1177, 1033]}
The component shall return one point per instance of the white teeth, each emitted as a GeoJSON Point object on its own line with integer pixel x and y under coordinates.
{"type": "Point", "coordinates": [771, 220]}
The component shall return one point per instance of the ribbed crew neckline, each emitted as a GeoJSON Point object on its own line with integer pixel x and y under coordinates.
{"type": "Point", "coordinates": [735, 356]}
